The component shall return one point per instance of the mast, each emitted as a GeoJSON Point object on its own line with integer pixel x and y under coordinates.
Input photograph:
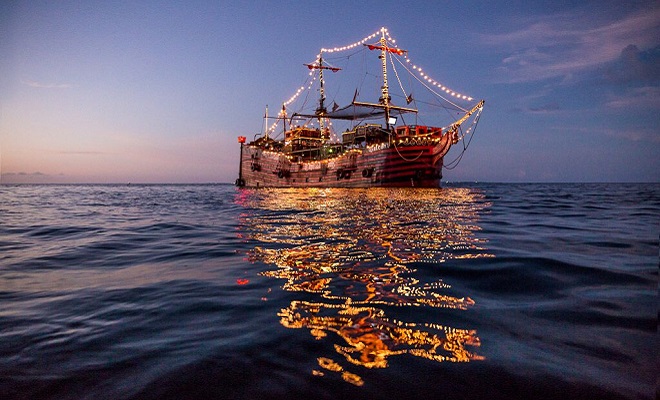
{"type": "Point", "coordinates": [266, 122]}
{"type": "Point", "coordinates": [321, 110]}
{"type": "Point", "coordinates": [385, 98]}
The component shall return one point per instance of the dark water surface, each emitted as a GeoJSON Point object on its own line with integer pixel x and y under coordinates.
{"type": "Point", "coordinates": [498, 291]}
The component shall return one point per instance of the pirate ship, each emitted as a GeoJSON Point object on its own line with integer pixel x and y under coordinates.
{"type": "Point", "coordinates": [381, 143]}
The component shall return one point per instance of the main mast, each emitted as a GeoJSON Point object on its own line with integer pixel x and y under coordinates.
{"type": "Point", "coordinates": [385, 101]}
{"type": "Point", "coordinates": [385, 90]}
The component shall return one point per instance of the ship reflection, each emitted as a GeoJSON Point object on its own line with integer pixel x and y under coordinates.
{"type": "Point", "coordinates": [360, 254]}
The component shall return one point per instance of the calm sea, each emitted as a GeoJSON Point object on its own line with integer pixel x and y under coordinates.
{"type": "Point", "coordinates": [473, 291]}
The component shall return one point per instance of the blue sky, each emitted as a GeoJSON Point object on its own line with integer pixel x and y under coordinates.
{"type": "Point", "coordinates": [159, 91]}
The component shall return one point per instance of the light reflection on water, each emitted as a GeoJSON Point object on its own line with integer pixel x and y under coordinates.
{"type": "Point", "coordinates": [358, 252]}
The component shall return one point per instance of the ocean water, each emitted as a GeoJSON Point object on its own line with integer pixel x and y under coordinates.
{"type": "Point", "coordinates": [472, 291]}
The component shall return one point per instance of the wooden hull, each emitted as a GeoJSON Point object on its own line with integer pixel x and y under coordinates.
{"type": "Point", "coordinates": [411, 164]}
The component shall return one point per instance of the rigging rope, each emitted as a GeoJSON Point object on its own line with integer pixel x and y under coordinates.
{"type": "Point", "coordinates": [473, 127]}
{"type": "Point", "coordinates": [397, 77]}
{"type": "Point", "coordinates": [430, 89]}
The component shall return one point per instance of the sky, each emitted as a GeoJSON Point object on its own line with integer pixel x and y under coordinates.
{"type": "Point", "coordinates": [158, 91]}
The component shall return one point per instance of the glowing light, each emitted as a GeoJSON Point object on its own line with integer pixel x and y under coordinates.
{"type": "Point", "coordinates": [352, 45]}
{"type": "Point", "coordinates": [419, 71]}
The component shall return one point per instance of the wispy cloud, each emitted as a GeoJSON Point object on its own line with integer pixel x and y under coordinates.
{"type": "Point", "coordinates": [635, 134]}
{"type": "Point", "coordinates": [545, 109]}
{"type": "Point", "coordinates": [560, 45]}
{"type": "Point", "coordinates": [635, 65]}
{"type": "Point", "coordinates": [83, 153]}
{"type": "Point", "coordinates": [23, 174]}
{"type": "Point", "coordinates": [39, 85]}
{"type": "Point", "coordinates": [636, 98]}
{"type": "Point", "coordinates": [632, 133]}
{"type": "Point", "coordinates": [28, 177]}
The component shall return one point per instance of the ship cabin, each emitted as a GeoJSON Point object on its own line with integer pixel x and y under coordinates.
{"type": "Point", "coordinates": [305, 142]}
{"type": "Point", "coordinates": [302, 138]}
{"type": "Point", "coordinates": [268, 143]}
{"type": "Point", "coordinates": [407, 131]}
{"type": "Point", "coordinates": [364, 135]}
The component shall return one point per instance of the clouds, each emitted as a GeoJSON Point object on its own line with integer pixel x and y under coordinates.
{"type": "Point", "coordinates": [83, 153]}
{"type": "Point", "coordinates": [545, 109]}
{"type": "Point", "coordinates": [25, 177]}
{"type": "Point", "coordinates": [635, 65]}
{"type": "Point", "coordinates": [642, 98]}
{"type": "Point", "coordinates": [635, 134]}
{"type": "Point", "coordinates": [564, 44]}
{"type": "Point", "coordinates": [39, 85]}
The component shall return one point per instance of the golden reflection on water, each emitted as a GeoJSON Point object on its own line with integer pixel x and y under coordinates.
{"type": "Point", "coordinates": [358, 251]}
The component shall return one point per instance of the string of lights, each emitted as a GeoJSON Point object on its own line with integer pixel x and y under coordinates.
{"type": "Point", "coordinates": [415, 67]}
{"type": "Point", "coordinates": [423, 77]}
{"type": "Point", "coordinates": [293, 98]}
{"type": "Point", "coordinates": [353, 45]}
